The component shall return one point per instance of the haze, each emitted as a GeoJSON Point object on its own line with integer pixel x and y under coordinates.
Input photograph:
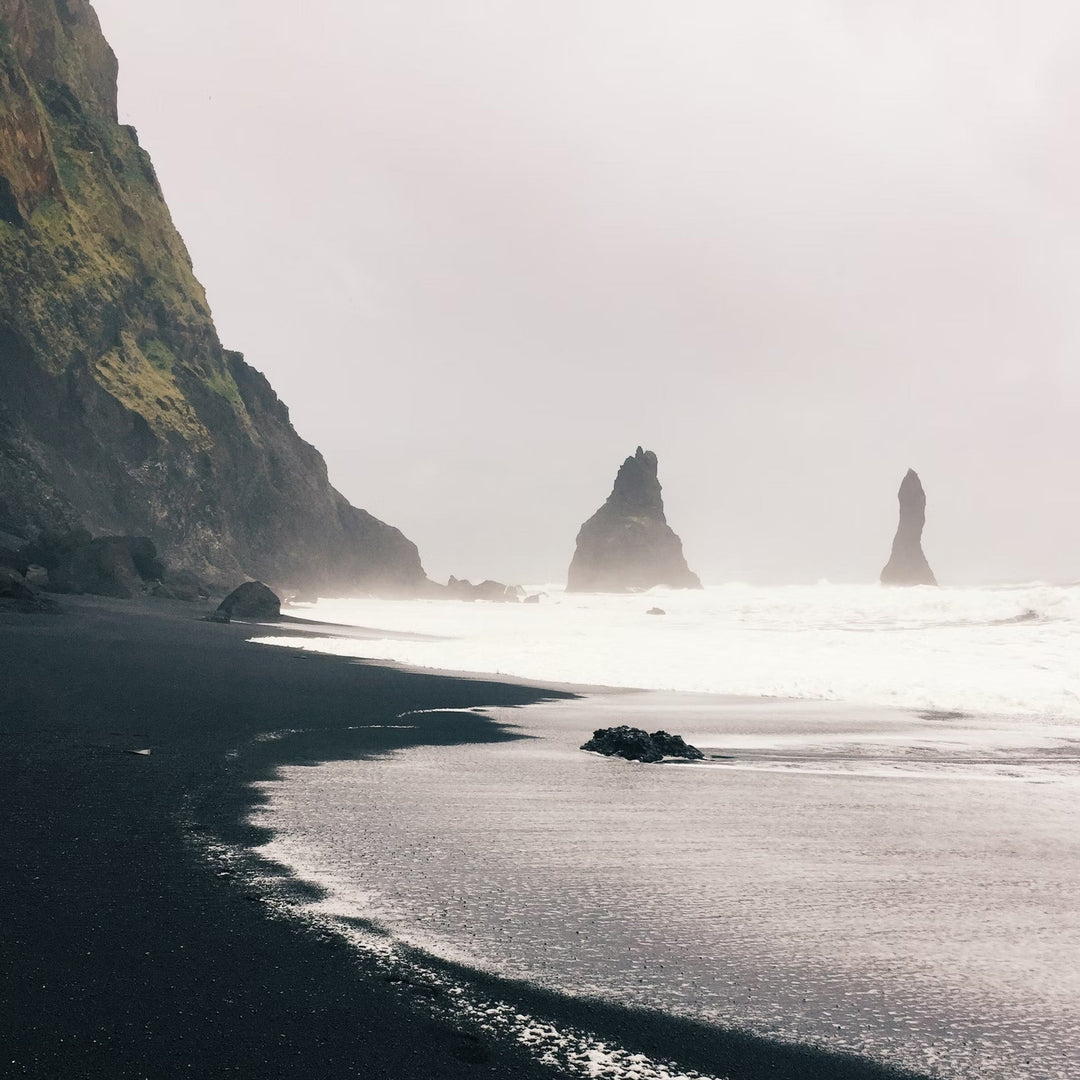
{"type": "Point", "coordinates": [483, 250]}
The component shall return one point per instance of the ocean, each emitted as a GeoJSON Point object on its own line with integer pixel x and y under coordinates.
{"type": "Point", "coordinates": [879, 854]}
{"type": "Point", "coordinates": [1012, 650]}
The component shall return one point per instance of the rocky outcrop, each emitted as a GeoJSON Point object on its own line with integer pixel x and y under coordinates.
{"type": "Point", "coordinates": [121, 413]}
{"type": "Point", "coordinates": [494, 592]}
{"type": "Point", "coordinates": [907, 565]}
{"type": "Point", "coordinates": [636, 744]}
{"type": "Point", "coordinates": [108, 566]}
{"type": "Point", "coordinates": [10, 559]}
{"type": "Point", "coordinates": [75, 562]}
{"type": "Point", "coordinates": [252, 600]}
{"type": "Point", "coordinates": [119, 566]}
{"type": "Point", "coordinates": [17, 594]}
{"type": "Point", "coordinates": [180, 585]}
{"type": "Point", "coordinates": [627, 544]}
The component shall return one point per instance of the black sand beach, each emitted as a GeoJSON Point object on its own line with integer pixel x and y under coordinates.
{"type": "Point", "coordinates": [125, 953]}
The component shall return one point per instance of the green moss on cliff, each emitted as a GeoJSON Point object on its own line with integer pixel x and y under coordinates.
{"type": "Point", "coordinates": [153, 393]}
{"type": "Point", "coordinates": [121, 411]}
{"type": "Point", "coordinates": [224, 385]}
{"type": "Point", "coordinates": [159, 354]}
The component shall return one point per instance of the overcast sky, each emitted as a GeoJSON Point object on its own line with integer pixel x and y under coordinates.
{"type": "Point", "coordinates": [484, 249]}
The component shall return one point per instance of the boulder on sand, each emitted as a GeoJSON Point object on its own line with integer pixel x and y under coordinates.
{"type": "Point", "coordinates": [675, 746]}
{"type": "Point", "coordinates": [636, 744]}
{"type": "Point", "coordinates": [252, 600]}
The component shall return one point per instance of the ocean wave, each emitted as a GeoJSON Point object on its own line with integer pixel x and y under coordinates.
{"type": "Point", "coordinates": [1002, 650]}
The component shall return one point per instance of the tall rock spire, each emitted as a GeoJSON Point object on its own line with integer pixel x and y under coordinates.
{"type": "Point", "coordinates": [627, 544]}
{"type": "Point", "coordinates": [907, 565]}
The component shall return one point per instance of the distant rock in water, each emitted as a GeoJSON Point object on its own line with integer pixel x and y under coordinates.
{"type": "Point", "coordinates": [627, 544]}
{"type": "Point", "coordinates": [635, 744]}
{"type": "Point", "coordinates": [252, 600]}
{"type": "Point", "coordinates": [494, 592]}
{"type": "Point", "coordinates": [907, 565]}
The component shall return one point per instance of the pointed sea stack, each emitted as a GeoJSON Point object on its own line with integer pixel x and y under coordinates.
{"type": "Point", "coordinates": [627, 544]}
{"type": "Point", "coordinates": [907, 565]}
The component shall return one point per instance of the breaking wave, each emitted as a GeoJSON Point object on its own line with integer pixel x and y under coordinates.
{"type": "Point", "coordinates": [1007, 650]}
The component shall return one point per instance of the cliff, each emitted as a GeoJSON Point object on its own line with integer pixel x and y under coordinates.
{"type": "Point", "coordinates": [907, 565]}
{"type": "Point", "coordinates": [627, 544]}
{"type": "Point", "coordinates": [121, 412]}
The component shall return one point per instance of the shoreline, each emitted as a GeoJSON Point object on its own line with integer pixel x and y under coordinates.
{"type": "Point", "coordinates": [127, 955]}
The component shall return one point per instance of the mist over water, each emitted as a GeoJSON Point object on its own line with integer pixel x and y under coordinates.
{"type": "Point", "coordinates": [1011, 650]}
{"type": "Point", "coordinates": [794, 248]}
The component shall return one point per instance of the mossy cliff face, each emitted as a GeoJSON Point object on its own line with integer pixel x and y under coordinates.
{"type": "Point", "coordinates": [119, 409]}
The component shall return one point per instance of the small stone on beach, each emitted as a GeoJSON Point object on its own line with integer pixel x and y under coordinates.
{"type": "Point", "coordinates": [635, 744]}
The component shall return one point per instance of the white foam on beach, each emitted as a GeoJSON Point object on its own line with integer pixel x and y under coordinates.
{"type": "Point", "coordinates": [1006, 650]}
{"type": "Point", "coordinates": [910, 902]}
{"type": "Point", "coordinates": [880, 863]}
{"type": "Point", "coordinates": [574, 1051]}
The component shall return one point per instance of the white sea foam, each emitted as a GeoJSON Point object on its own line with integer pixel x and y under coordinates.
{"type": "Point", "coordinates": [1006, 650]}
{"type": "Point", "coordinates": [862, 878]}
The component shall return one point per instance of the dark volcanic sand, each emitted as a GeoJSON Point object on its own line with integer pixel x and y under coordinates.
{"type": "Point", "coordinates": [123, 953]}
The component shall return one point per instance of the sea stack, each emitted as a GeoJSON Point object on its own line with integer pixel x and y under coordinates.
{"type": "Point", "coordinates": [907, 565]}
{"type": "Point", "coordinates": [627, 544]}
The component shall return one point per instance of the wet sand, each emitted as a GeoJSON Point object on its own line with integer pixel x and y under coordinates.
{"type": "Point", "coordinates": [864, 879]}
{"type": "Point", "coordinates": [127, 952]}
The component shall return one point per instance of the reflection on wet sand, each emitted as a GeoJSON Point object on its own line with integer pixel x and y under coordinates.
{"type": "Point", "coordinates": [894, 884]}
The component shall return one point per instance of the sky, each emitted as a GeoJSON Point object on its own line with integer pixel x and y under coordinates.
{"type": "Point", "coordinates": [484, 249]}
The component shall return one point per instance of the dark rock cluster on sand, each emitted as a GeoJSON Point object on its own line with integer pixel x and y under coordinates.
{"type": "Point", "coordinates": [18, 594]}
{"type": "Point", "coordinates": [120, 411]}
{"type": "Point", "coordinates": [636, 744]}
{"type": "Point", "coordinates": [76, 562]}
{"type": "Point", "coordinates": [907, 564]}
{"type": "Point", "coordinates": [120, 566]}
{"type": "Point", "coordinates": [627, 544]}
{"type": "Point", "coordinates": [252, 600]}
